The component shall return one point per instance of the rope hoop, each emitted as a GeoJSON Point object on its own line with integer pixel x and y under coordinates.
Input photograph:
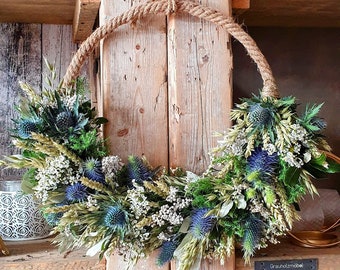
{"type": "Point", "coordinates": [153, 7]}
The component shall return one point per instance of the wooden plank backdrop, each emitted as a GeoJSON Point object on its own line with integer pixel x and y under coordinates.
{"type": "Point", "coordinates": [22, 49]}
{"type": "Point", "coordinates": [166, 86]}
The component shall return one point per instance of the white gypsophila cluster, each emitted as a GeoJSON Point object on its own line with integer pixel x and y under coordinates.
{"type": "Point", "coordinates": [270, 148]}
{"type": "Point", "coordinates": [57, 171]}
{"type": "Point", "coordinates": [169, 213]}
{"type": "Point", "coordinates": [172, 196]}
{"type": "Point", "coordinates": [111, 165]}
{"type": "Point", "coordinates": [166, 213]}
{"type": "Point", "coordinates": [237, 147]}
{"type": "Point", "coordinates": [47, 102]}
{"type": "Point", "coordinates": [291, 153]}
{"type": "Point", "coordinates": [69, 101]}
{"type": "Point", "coordinates": [164, 237]}
{"type": "Point", "coordinates": [135, 248]}
{"type": "Point", "coordinates": [292, 159]}
{"type": "Point", "coordinates": [190, 178]}
{"type": "Point", "coordinates": [139, 205]}
{"type": "Point", "coordinates": [257, 207]}
{"type": "Point", "coordinates": [91, 202]}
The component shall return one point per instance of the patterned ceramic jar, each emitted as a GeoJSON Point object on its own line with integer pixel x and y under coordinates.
{"type": "Point", "coordinates": [20, 217]}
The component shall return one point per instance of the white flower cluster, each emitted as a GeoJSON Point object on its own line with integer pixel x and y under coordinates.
{"type": "Point", "coordinates": [238, 145]}
{"type": "Point", "coordinates": [169, 212]}
{"type": "Point", "coordinates": [111, 165]}
{"type": "Point", "coordinates": [291, 152]}
{"type": "Point", "coordinates": [139, 205]}
{"type": "Point", "coordinates": [57, 170]}
{"type": "Point", "coordinates": [136, 248]}
{"type": "Point", "coordinates": [69, 101]}
{"type": "Point", "coordinates": [91, 202]}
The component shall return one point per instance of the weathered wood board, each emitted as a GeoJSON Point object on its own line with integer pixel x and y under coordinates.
{"type": "Point", "coordinates": [20, 60]}
{"type": "Point", "coordinates": [42, 254]}
{"type": "Point", "coordinates": [166, 88]}
{"type": "Point", "coordinates": [22, 51]}
{"type": "Point", "coordinates": [134, 85]}
{"type": "Point", "coordinates": [200, 91]}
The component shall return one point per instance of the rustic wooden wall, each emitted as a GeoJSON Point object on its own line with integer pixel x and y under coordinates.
{"type": "Point", "coordinates": [22, 49]}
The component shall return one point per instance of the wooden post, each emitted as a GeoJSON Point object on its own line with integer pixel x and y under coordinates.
{"type": "Point", "coordinates": [134, 85]}
{"type": "Point", "coordinates": [200, 86]}
{"type": "Point", "coordinates": [146, 116]}
{"type": "Point", "coordinates": [134, 94]}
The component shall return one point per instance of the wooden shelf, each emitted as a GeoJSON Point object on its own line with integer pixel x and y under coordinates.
{"type": "Point", "coordinates": [292, 13]}
{"type": "Point", "coordinates": [41, 254]}
{"type": "Point", "coordinates": [328, 258]}
{"type": "Point", "coordinates": [81, 13]}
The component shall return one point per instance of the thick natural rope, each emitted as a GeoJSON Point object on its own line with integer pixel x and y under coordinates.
{"type": "Point", "coordinates": [184, 6]}
{"type": "Point", "coordinates": [172, 7]}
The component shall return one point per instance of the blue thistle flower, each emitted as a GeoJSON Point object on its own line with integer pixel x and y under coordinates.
{"type": "Point", "coordinates": [115, 218]}
{"type": "Point", "coordinates": [93, 170]}
{"type": "Point", "coordinates": [76, 192]}
{"type": "Point", "coordinates": [64, 121]}
{"type": "Point", "coordinates": [252, 235]}
{"type": "Point", "coordinates": [167, 251]}
{"type": "Point", "coordinates": [260, 161]}
{"type": "Point", "coordinates": [138, 170]}
{"type": "Point", "coordinates": [53, 219]}
{"type": "Point", "coordinates": [200, 223]}
{"type": "Point", "coordinates": [26, 127]}
{"type": "Point", "coordinates": [259, 116]}
{"type": "Point", "coordinates": [319, 123]}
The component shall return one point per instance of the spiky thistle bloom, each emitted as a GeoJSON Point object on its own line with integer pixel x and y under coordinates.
{"type": "Point", "coordinates": [115, 218]}
{"type": "Point", "coordinates": [261, 162]}
{"type": "Point", "coordinates": [252, 236]}
{"type": "Point", "coordinates": [52, 219]}
{"type": "Point", "coordinates": [138, 170]}
{"type": "Point", "coordinates": [200, 223]}
{"type": "Point", "coordinates": [259, 116]}
{"type": "Point", "coordinates": [166, 252]}
{"type": "Point", "coordinates": [76, 192]}
{"type": "Point", "coordinates": [25, 127]}
{"type": "Point", "coordinates": [65, 120]}
{"type": "Point", "coordinates": [93, 170]}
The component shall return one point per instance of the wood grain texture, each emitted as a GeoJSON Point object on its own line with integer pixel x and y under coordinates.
{"type": "Point", "coordinates": [57, 47]}
{"type": "Point", "coordinates": [292, 13]}
{"type": "Point", "coordinates": [41, 254]}
{"type": "Point", "coordinates": [37, 11]}
{"type": "Point", "coordinates": [134, 85]}
{"type": "Point", "coordinates": [207, 264]}
{"type": "Point", "coordinates": [20, 60]}
{"type": "Point", "coordinates": [200, 92]}
{"type": "Point", "coordinates": [328, 258]}
{"type": "Point", "coordinates": [85, 14]}
{"type": "Point", "coordinates": [116, 262]}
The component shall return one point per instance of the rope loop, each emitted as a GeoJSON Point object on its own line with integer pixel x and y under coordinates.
{"type": "Point", "coordinates": [165, 7]}
{"type": "Point", "coordinates": [172, 7]}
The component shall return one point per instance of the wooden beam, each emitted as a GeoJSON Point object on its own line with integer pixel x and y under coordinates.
{"type": "Point", "coordinates": [85, 14]}
{"type": "Point", "coordinates": [37, 11]}
{"type": "Point", "coordinates": [240, 4]}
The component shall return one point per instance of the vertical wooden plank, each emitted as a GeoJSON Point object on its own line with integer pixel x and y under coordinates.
{"type": "Point", "coordinates": [200, 86]}
{"type": "Point", "coordinates": [200, 94]}
{"type": "Point", "coordinates": [57, 47]}
{"type": "Point", "coordinates": [134, 85]}
{"type": "Point", "coordinates": [20, 60]}
{"type": "Point", "coordinates": [134, 93]}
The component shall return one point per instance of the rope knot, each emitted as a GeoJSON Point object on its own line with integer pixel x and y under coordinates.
{"type": "Point", "coordinates": [172, 7]}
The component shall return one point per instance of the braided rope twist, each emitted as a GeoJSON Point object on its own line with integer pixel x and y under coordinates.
{"type": "Point", "coordinates": [153, 7]}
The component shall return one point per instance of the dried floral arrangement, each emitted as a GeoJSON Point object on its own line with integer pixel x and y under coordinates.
{"type": "Point", "coordinates": [261, 167]}
{"type": "Point", "coordinates": [258, 172]}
